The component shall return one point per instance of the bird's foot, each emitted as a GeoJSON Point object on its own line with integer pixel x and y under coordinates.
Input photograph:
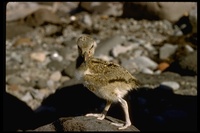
{"type": "Point", "coordinates": [121, 125]}
{"type": "Point", "coordinates": [99, 116]}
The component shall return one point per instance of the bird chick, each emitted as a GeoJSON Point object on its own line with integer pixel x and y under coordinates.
{"type": "Point", "coordinates": [107, 80]}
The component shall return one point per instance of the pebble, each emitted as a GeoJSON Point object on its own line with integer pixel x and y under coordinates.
{"type": "Point", "coordinates": [147, 71]}
{"type": "Point", "coordinates": [189, 48]}
{"type": "Point", "coordinates": [27, 97]}
{"type": "Point", "coordinates": [56, 56]}
{"type": "Point", "coordinates": [172, 84]}
{"type": "Point", "coordinates": [50, 84]}
{"type": "Point", "coordinates": [38, 56]}
{"type": "Point", "coordinates": [145, 62]}
{"type": "Point", "coordinates": [106, 45]}
{"type": "Point", "coordinates": [119, 49]}
{"type": "Point", "coordinates": [87, 20]}
{"type": "Point", "coordinates": [56, 76]}
{"type": "Point", "coordinates": [15, 80]}
{"type": "Point", "coordinates": [40, 84]}
{"type": "Point", "coordinates": [55, 65]}
{"type": "Point", "coordinates": [167, 50]}
{"type": "Point", "coordinates": [162, 66]}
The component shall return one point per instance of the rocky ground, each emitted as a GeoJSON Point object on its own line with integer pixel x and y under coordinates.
{"type": "Point", "coordinates": [40, 62]}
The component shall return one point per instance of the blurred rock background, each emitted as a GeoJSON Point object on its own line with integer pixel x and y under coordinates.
{"type": "Point", "coordinates": [155, 41]}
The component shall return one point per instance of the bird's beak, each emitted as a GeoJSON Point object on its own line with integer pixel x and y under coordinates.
{"type": "Point", "coordinates": [85, 55]}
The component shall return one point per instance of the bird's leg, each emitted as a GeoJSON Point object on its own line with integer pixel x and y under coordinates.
{"type": "Point", "coordinates": [127, 118]}
{"type": "Point", "coordinates": [103, 114]}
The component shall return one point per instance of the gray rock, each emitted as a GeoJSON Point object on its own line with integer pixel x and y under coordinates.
{"type": "Point", "coordinates": [167, 50]}
{"type": "Point", "coordinates": [21, 10]}
{"type": "Point", "coordinates": [106, 45]}
{"type": "Point", "coordinates": [14, 29]}
{"type": "Point", "coordinates": [185, 65]}
{"type": "Point", "coordinates": [41, 83]}
{"type": "Point", "coordinates": [193, 19]}
{"type": "Point", "coordinates": [16, 80]}
{"type": "Point", "coordinates": [55, 65]}
{"type": "Point", "coordinates": [119, 49]}
{"type": "Point", "coordinates": [70, 69]}
{"type": "Point", "coordinates": [51, 84]}
{"type": "Point", "coordinates": [105, 8]}
{"type": "Point", "coordinates": [171, 11]}
{"type": "Point", "coordinates": [174, 85]}
{"type": "Point", "coordinates": [83, 123]}
{"type": "Point", "coordinates": [87, 20]}
{"type": "Point", "coordinates": [41, 16]}
{"type": "Point", "coordinates": [189, 62]}
{"type": "Point", "coordinates": [55, 76]}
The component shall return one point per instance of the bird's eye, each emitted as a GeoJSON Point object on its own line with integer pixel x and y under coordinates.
{"type": "Point", "coordinates": [92, 46]}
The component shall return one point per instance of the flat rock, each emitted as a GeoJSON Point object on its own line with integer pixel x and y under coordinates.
{"type": "Point", "coordinates": [171, 11]}
{"type": "Point", "coordinates": [104, 47]}
{"type": "Point", "coordinates": [83, 123]}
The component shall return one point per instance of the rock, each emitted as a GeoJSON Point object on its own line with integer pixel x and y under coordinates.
{"type": "Point", "coordinates": [23, 41]}
{"type": "Point", "coordinates": [193, 19]}
{"type": "Point", "coordinates": [21, 10]}
{"type": "Point", "coordinates": [119, 49]}
{"type": "Point", "coordinates": [38, 56]}
{"type": "Point", "coordinates": [106, 45]}
{"type": "Point", "coordinates": [87, 20]}
{"type": "Point", "coordinates": [41, 16]}
{"type": "Point", "coordinates": [174, 85]}
{"type": "Point", "coordinates": [55, 65]}
{"type": "Point", "coordinates": [147, 71]}
{"type": "Point", "coordinates": [185, 65]}
{"type": "Point", "coordinates": [167, 50]}
{"type": "Point", "coordinates": [55, 76]}
{"type": "Point", "coordinates": [41, 83]}
{"type": "Point", "coordinates": [14, 80]}
{"type": "Point", "coordinates": [162, 66]}
{"type": "Point", "coordinates": [51, 84]}
{"type": "Point", "coordinates": [51, 29]}
{"type": "Point", "coordinates": [189, 49]}
{"type": "Point", "coordinates": [83, 123]}
{"type": "Point", "coordinates": [189, 62]}
{"type": "Point", "coordinates": [171, 11]}
{"type": "Point", "coordinates": [69, 70]}
{"type": "Point", "coordinates": [104, 8]}
{"type": "Point", "coordinates": [145, 62]}
{"type": "Point", "coordinates": [56, 56]}
{"type": "Point", "coordinates": [27, 97]}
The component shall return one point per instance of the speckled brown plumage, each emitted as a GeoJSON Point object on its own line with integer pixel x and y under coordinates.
{"type": "Point", "coordinates": [107, 80]}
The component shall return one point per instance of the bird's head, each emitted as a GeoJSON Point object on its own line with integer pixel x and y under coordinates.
{"type": "Point", "coordinates": [86, 46]}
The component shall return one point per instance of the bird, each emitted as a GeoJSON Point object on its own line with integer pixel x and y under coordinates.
{"type": "Point", "coordinates": [106, 79]}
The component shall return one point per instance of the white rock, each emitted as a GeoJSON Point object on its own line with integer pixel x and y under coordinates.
{"type": "Point", "coordinates": [27, 97]}
{"type": "Point", "coordinates": [147, 71]}
{"type": "Point", "coordinates": [145, 62]}
{"type": "Point", "coordinates": [189, 48]}
{"type": "Point", "coordinates": [167, 50]}
{"type": "Point", "coordinates": [171, 84]}
{"type": "Point", "coordinates": [119, 49]}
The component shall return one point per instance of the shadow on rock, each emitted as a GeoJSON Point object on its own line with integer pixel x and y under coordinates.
{"type": "Point", "coordinates": [157, 109]}
{"type": "Point", "coordinates": [160, 109]}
